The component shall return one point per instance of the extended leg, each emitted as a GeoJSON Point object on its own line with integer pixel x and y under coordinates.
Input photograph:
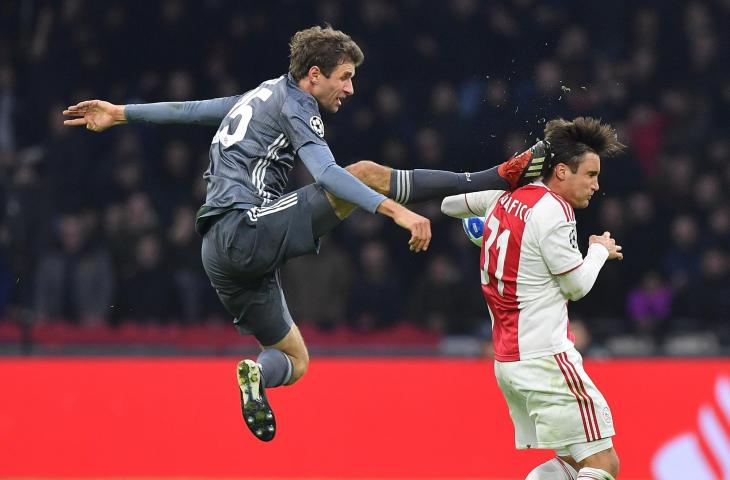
{"type": "Point", "coordinates": [413, 186]}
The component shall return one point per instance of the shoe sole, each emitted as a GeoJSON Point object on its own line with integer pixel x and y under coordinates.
{"type": "Point", "coordinates": [257, 414]}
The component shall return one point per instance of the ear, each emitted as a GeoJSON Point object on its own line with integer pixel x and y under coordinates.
{"type": "Point", "coordinates": [314, 74]}
{"type": "Point", "coordinates": [560, 171]}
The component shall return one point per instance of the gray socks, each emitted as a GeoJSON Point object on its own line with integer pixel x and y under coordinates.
{"type": "Point", "coordinates": [276, 367]}
{"type": "Point", "coordinates": [412, 186]}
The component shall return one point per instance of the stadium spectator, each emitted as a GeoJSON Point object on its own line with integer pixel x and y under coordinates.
{"type": "Point", "coordinates": [654, 72]}
{"type": "Point", "coordinates": [75, 280]}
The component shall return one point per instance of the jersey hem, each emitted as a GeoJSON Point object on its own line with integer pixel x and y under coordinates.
{"type": "Point", "coordinates": [564, 443]}
{"type": "Point", "coordinates": [532, 355]}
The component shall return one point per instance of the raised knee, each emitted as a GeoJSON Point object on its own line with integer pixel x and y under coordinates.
{"type": "Point", "coordinates": [371, 174]}
{"type": "Point", "coordinates": [363, 167]}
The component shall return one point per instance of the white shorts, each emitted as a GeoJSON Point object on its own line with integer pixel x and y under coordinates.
{"type": "Point", "coordinates": [555, 405]}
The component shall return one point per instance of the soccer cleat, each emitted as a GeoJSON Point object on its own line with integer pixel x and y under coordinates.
{"type": "Point", "coordinates": [257, 413]}
{"type": "Point", "coordinates": [526, 167]}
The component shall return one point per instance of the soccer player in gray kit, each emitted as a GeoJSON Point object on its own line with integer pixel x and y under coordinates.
{"type": "Point", "coordinates": [250, 227]}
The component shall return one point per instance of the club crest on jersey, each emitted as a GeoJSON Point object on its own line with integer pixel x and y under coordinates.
{"type": "Point", "coordinates": [573, 239]}
{"type": "Point", "coordinates": [317, 125]}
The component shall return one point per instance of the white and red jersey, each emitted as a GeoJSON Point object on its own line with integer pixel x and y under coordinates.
{"type": "Point", "coordinates": [529, 239]}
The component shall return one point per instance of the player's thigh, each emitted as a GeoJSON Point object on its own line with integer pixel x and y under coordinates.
{"type": "Point", "coordinates": [373, 175]}
{"type": "Point", "coordinates": [604, 459]}
{"type": "Point", "coordinates": [596, 454]}
{"type": "Point", "coordinates": [314, 217]}
{"type": "Point", "coordinates": [342, 208]}
{"type": "Point", "coordinates": [259, 309]}
{"type": "Point", "coordinates": [525, 433]}
{"type": "Point", "coordinates": [566, 405]}
{"type": "Point", "coordinates": [257, 241]}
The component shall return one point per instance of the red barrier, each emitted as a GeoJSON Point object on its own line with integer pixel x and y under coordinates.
{"type": "Point", "coordinates": [348, 418]}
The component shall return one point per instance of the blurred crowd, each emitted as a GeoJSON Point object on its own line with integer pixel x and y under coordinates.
{"type": "Point", "coordinates": [98, 228]}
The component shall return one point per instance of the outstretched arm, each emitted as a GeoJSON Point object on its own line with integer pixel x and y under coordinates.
{"type": "Point", "coordinates": [95, 115]}
{"type": "Point", "coordinates": [474, 204]}
{"type": "Point", "coordinates": [99, 115]}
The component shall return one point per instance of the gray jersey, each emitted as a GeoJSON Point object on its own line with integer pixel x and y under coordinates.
{"type": "Point", "coordinates": [260, 134]}
{"type": "Point", "coordinates": [255, 146]}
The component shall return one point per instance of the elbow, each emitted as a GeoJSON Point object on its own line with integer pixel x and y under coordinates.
{"type": "Point", "coordinates": [321, 180]}
{"type": "Point", "coordinates": [444, 207]}
{"type": "Point", "coordinates": [573, 294]}
{"type": "Point", "coordinates": [447, 207]}
{"type": "Point", "coordinates": [576, 295]}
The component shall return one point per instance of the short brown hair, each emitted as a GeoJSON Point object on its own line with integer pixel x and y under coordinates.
{"type": "Point", "coordinates": [322, 47]}
{"type": "Point", "coordinates": [570, 140]}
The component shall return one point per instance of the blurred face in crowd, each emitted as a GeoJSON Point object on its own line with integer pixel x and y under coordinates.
{"type": "Point", "coordinates": [577, 187]}
{"type": "Point", "coordinates": [331, 91]}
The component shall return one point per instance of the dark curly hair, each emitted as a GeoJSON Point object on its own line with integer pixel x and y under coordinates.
{"type": "Point", "coordinates": [570, 140]}
{"type": "Point", "coordinates": [322, 47]}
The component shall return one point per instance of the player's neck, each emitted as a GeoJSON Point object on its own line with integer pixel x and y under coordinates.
{"type": "Point", "coordinates": [556, 186]}
{"type": "Point", "coordinates": [306, 85]}
{"type": "Point", "coordinates": [553, 184]}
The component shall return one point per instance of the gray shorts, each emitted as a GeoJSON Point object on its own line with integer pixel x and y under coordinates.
{"type": "Point", "coordinates": [243, 250]}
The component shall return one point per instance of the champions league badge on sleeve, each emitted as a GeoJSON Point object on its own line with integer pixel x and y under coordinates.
{"type": "Point", "coordinates": [317, 125]}
{"type": "Point", "coordinates": [574, 239]}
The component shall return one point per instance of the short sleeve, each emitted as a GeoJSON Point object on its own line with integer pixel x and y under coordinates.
{"type": "Point", "coordinates": [559, 248]}
{"type": "Point", "coordinates": [301, 122]}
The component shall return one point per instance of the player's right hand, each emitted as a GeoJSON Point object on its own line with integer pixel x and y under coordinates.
{"type": "Point", "coordinates": [420, 228]}
{"type": "Point", "coordinates": [95, 115]}
{"type": "Point", "coordinates": [614, 251]}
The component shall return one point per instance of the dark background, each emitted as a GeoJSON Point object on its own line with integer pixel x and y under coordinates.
{"type": "Point", "coordinates": [96, 229]}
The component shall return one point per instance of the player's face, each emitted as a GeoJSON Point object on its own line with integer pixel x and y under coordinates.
{"type": "Point", "coordinates": [581, 185]}
{"type": "Point", "coordinates": [330, 92]}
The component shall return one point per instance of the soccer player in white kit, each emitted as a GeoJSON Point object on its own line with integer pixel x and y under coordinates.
{"type": "Point", "coordinates": [530, 268]}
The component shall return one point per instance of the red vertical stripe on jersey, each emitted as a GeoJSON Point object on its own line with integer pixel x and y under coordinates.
{"type": "Point", "coordinates": [578, 398]}
{"type": "Point", "coordinates": [504, 306]}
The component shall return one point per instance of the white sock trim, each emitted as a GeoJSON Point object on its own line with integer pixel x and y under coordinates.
{"type": "Point", "coordinates": [588, 473]}
{"type": "Point", "coordinates": [404, 180]}
{"type": "Point", "coordinates": [553, 469]}
{"type": "Point", "coordinates": [289, 370]}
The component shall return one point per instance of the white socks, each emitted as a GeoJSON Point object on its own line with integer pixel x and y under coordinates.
{"type": "Point", "coordinates": [557, 469]}
{"type": "Point", "coordinates": [554, 469]}
{"type": "Point", "coordinates": [587, 473]}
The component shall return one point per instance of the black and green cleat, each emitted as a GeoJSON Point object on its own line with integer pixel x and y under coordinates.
{"type": "Point", "coordinates": [257, 413]}
{"type": "Point", "coordinates": [538, 162]}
